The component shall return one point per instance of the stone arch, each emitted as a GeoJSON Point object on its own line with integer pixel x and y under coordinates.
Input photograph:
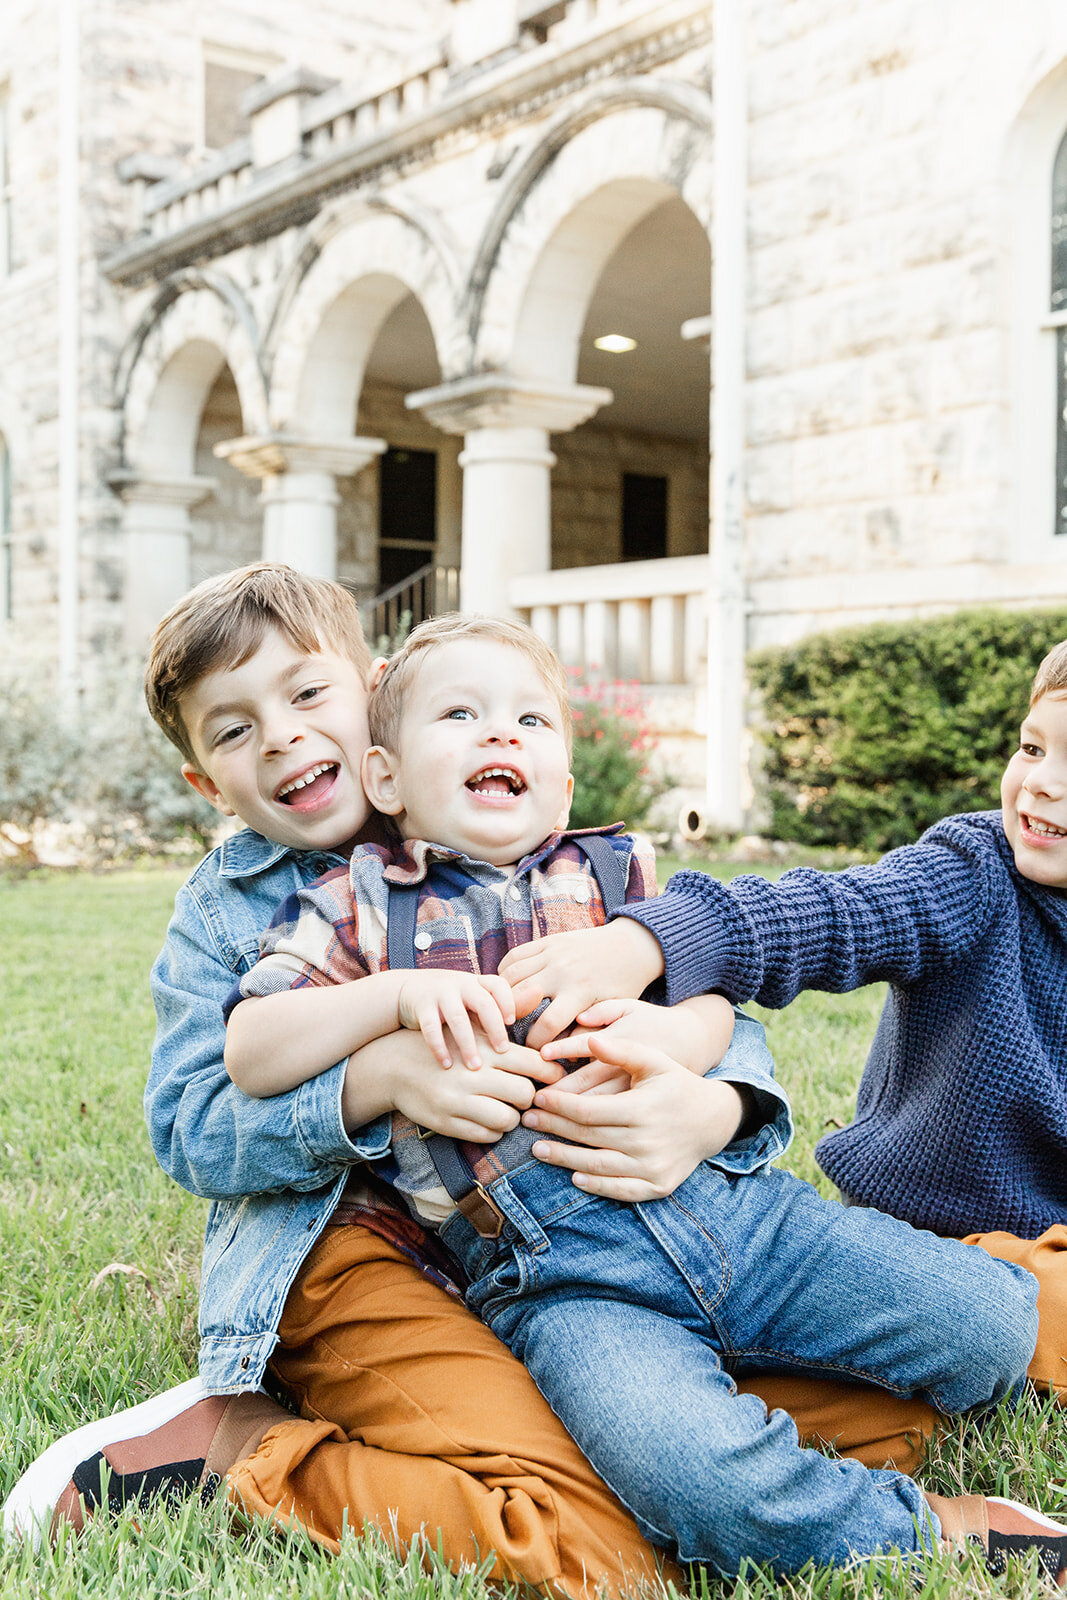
{"type": "Point", "coordinates": [196, 324]}
{"type": "Point", "coordinates": [593, 176]}
{"type": "Point", "coordinates": [1030, 149]}
{"type": "Point", "coordinates": [360, 262]}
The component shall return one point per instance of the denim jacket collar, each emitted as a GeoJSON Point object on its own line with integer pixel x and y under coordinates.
{"type": "Point", "coordinates": [247, 853]}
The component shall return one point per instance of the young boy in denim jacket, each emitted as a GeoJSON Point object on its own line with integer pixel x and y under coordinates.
{"type": "Point", "coordinates": [412, 1414]}
{"type": "Point", "coordinates": [631, 1318]}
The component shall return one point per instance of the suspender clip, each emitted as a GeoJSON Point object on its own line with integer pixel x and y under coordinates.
{"type": "Point", "coordinates": [483, 1214]}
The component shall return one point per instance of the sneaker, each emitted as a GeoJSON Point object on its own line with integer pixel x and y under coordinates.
{"type": "Point", "coordinates": [1003, 1528]}
{"type": "Point", "coordinates": [178, 1444]}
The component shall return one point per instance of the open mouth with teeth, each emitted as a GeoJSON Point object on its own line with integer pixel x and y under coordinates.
{"type": "Point", "coordinates": [310, 788]}
{"type": "Point", "coordinates": [497, 784]}
{"type": "Point", "coordinates": [1041, 830]}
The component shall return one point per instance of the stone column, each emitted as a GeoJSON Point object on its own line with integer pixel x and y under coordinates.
{"type": "Point", "coordinates": [156, 556]}
{"type": "Point", "coordinates": [507, 467]}
{"type": "Point", "coordinates": [299, 495]}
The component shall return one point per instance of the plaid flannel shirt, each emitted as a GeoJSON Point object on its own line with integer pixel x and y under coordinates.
{"type": "Point", "coordinates": [469, 915]}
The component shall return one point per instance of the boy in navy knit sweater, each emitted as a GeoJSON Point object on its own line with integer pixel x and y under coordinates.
{"type": "Point", "coordinates": [961, 1120]}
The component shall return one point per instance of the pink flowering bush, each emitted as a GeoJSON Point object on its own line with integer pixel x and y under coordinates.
{"type": "Point", "coordinates": [612, 744]}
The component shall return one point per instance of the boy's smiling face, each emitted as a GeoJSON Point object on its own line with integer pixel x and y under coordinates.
{"type": "Point", "coordinates": [1033, 794]}
{"type": "Point", "coordinates": [481, 764]}
{"type": "Point", "coordinates": [278, 743]}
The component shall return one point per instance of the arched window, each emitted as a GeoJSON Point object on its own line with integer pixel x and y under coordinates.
{"type": "Point", "coordinates": [6, 585]}
{"type": "Point", "coordinates": [1058, 309]}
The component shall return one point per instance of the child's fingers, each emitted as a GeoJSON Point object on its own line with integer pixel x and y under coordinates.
{"type": "Point", "coordinates": [572, 1047]}
{"type": "Point", "coordinates": [557, 1015]}
{"type": "Point", "coordinates": [428, 1020]}
{"type": "Point", "coordinates": [455, 1016]}
{"type": "Point", "coordinates": [603, 1014]}
{"type": "Point", "coordinates": [523, 960]}
{"type": "Point", "coordinates": [592, 1075]}
{"type": "Point", "coordinates": [600, 1172]}
{"type": "Point", "coordinates": [527, 996]}
{"type": "Point", "coordinates": [501, 992]}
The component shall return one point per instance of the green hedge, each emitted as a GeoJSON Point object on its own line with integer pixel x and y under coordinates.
{"type": "Point", "coordinates": [872, 734]}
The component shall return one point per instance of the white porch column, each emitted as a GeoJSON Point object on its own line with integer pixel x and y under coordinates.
{"type": "Point", "coordinates": [299, 495]}
{"type": "Point", "coordinates": [156, 557]}
{"type": "Point", "coordinates": [727, 779]}
{"type": "Point", "coordinates": [507, 467]}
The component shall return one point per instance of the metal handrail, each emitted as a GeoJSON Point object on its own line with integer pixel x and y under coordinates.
{"type": "Point", "coordinates": [390, 616]}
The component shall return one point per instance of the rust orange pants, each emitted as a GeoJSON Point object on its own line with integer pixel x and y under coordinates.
{"type": "Point", "coordinates": [415, 1417]}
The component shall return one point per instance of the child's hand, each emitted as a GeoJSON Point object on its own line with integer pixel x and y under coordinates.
{"type": "Point", "coordinates": [642, 1143]}
{"type": "Point", "coordinates": [435, 1000]}
{"type": "Point", "coordinates": [575, 970]}
{"type": "Point", "coordinates": [696, 1034]}
{"type": "Point", "coordinates": [479, 1105]}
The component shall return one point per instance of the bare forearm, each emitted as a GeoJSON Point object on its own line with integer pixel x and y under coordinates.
{"type": "Point", "coordinates": [698, 1031]}
{"type": "Point", "coordinates": [277, 1041]}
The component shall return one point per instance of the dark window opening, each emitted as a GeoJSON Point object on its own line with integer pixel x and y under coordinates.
{"type": "Point", "coordinates": [644, 517]}
{"type": "Point", "coordinates": [407, 515]}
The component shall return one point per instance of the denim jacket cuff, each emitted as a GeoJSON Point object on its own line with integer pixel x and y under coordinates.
{"type": "Point", "coordinates": [770, 1138]}
{"type": "Point", "coordinates": [321, 1128]}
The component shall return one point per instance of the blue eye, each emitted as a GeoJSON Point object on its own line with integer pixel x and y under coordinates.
{"type": "Point", "coordinates": [533, 719]}
{"type": "Point", "coordinates": [459, 714]}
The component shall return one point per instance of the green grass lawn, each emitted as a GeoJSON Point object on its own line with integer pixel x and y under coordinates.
{"type": "Point", "coordinates": [80, 1192]}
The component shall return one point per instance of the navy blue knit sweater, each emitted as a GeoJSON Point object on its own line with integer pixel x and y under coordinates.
{"type": "Point", "coordinates": [961, 1119]}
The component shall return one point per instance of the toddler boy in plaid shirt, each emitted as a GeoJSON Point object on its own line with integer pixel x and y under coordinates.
{"type": "Point", "coordinates": [631, 1318]}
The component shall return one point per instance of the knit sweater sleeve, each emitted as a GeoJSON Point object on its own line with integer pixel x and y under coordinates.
{"type": "Point", "coordinates": [919, 909]}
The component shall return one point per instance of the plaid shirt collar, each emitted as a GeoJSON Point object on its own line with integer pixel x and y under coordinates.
{"type": "Point", "coordinates": [409, 860]}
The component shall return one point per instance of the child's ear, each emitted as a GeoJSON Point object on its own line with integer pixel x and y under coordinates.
{"type": "Point", "coordinates": [379, 781]}
{"type": "Point", "coordinates": [565, 813]}
{"type": "Point", "coordinates": [207, 788]}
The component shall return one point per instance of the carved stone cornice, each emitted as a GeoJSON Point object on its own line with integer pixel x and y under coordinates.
{"type": "Point", "coordinates": [269, 455]}
{"type": "Point", "coordinates": [496, 400]}
{"type": "Point", "coordinates": [132, 484]}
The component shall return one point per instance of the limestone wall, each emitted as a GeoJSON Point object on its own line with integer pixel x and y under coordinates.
{"type": "Point", "coordinates": [882, 270]}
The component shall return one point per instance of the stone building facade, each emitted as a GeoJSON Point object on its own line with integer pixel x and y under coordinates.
{"type": "Point", "coordinates": [310, 280]}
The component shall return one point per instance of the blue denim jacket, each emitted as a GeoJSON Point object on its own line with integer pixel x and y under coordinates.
{"type": "Point", "coordinates": [274, 1169]}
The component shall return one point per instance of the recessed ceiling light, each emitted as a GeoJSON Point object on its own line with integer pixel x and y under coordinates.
{"type": "Point", "coordinates": [617, 343]}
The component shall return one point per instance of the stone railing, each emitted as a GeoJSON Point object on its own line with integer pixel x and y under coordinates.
{"type": "Point", "coordinates": [345, 116]}
{"type": "Point", "coordinates": [335, 119]}
{"type": "Point", "coordinates": [644, 621]}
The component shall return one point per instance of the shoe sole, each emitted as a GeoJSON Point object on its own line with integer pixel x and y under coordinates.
{"type": "Point", "coordinates": [27, 1511]}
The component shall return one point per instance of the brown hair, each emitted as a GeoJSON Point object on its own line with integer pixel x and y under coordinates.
{"type": "Point", "coordinates": [386, 703]}
{"type": "Point", "coordinates": [223, 621]}
{"type": "Point", "coordinates": [1051, 675]}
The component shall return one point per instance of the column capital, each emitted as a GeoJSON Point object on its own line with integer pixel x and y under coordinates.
{"type": "Point", "coordinates": [269, 455]}
{"type": "Point", "coordinates": [498, 400]}
{"type": "Point", "coordinates": [131, 484]}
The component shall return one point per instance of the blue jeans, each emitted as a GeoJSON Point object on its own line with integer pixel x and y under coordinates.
{"type": "Point", "coordinates": [632, 1318]}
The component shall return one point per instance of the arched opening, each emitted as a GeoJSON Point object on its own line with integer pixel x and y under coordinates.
{"type": "Point", "coordinates": [632, 483]}
{"type": "Point", "coordinates": [226, 526]}
{"type": "Point", "coordinates": [402, 517]}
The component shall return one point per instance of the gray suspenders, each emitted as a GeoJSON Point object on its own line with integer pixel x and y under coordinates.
{"type": "Point", "coordinates": [610, 869]}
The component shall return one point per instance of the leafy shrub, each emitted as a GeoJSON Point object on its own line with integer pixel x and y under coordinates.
{"type": "Point", "coordinates": [99, 768]}
{"type": "Point", "coordinates": [133, 798]}
{"type": "Point", "coordinates": [39, 758]}
{"type": "Point", "coordinates": [875, 733]}
{"type": "Point", "coordinates": [612, 781]}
